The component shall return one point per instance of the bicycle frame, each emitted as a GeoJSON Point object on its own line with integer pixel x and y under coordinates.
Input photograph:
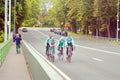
{"type": "Point", "coordinates": [51, 53]}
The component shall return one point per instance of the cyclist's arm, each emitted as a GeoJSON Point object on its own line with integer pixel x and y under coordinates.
{"type": "Point", "coordinates": [65, 41]}
{"type": "Point", "coordinates": [46, 41]}
{"type": "Point", "coordinates": [58, 43]}
{"type": "Point", "coordinates": [72, 41]}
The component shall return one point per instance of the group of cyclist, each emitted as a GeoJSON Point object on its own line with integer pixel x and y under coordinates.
{"type": "Point", "coordinates": [62, 43]}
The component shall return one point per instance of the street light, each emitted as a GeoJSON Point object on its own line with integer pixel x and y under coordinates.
{"type": "Point", "coordinates": [14, 16]}
{"type": "Point", "coordinates": [117, 31]}
{"type": "Point", "coordinates": [9, 18]}
{"type": "Point", "coordinates": [5, 26]}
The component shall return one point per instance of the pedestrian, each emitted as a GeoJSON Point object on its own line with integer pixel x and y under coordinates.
{"type": "Point", "coordinates": [18, 42]}
{"type": "Point", "coordinates": [14, 36]}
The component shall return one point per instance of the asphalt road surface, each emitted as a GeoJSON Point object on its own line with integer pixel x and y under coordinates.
{"type": "Point", "coordinates": [92, 60]}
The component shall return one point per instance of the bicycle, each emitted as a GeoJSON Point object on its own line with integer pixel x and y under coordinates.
{"type": "Point", "coordinates": [60, 53]}
{"type": "Point", "coordinates": [69, 53]}
{"type": "Point", "coordinates": [51, 56]}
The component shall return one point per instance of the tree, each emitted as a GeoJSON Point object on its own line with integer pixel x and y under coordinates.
{"type": "Point", "coordinates": [1, 15]}
{"type": "Point", "coordinates": [105, 11]}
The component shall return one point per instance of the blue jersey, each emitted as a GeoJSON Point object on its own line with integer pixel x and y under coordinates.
{"type": "Point", "coordinates": [18, 39]}
{"type": "Point", "coordinates": [69, 40]}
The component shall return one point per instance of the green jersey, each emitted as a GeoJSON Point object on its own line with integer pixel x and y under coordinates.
{"type": "Point", "coordinates": [61, 43]}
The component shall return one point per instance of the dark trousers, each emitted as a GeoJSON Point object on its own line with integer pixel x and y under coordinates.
{"type": "Point", "coordinates": [69, 44]}
{"type": "Point", "coordinates": [47, 47]}
{"type": "Point", "coordinates": [60, 49]}
{"type": "Point", "coordinates": [18, 48]}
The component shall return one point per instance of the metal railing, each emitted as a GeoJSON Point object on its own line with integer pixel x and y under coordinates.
{"type": "Point", "coordinates": [4, 49]}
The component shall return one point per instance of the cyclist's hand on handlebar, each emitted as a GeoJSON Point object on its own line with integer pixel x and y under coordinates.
{"type": "Point", "coordinates": [74, 48]}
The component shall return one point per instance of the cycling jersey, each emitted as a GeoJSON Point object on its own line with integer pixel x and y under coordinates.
{"type": "Point", "coordinates": [70, 40]}
{"type": "Point", "coordinates": [52, 45]}
{"type": "Point", "coordinates": [61, 43]}
{"type": "Point", "coordinates": [48, 41]}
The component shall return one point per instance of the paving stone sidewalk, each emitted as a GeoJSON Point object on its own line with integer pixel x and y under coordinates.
{"type": "Point", "coordinates": [14, 67]}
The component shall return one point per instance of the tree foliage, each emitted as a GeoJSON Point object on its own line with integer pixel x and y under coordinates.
{"type": "Point", "coordinates": [87, 15]}
{"type": "Point", "coordinates": [26, 10]}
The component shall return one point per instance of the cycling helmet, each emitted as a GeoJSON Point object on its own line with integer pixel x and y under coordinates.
{"type": "Point", "coordinates": [62, 38]}
{"type": "Point", "coordinates": [50, 37]}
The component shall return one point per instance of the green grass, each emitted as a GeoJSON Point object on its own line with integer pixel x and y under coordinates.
{"type": "Point", "coordinates": [74, 34]}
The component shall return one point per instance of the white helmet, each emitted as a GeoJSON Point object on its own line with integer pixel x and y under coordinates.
{"type": "Point", "coordinates": [52, 38]}
{"type": "Point", "coordinates": [62, 38]}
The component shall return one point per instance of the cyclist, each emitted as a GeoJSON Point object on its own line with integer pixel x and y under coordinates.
{"type": "Point", "coordinates": [48, 43]}
{"type": "Point", "coordinates": [52, 49]}
{"type": "Point", "coordinates": [52, 44]}
{"type": "Point", "coordinates": [61, 44]}
{"type": "Point", "coordinates": [70, 42]}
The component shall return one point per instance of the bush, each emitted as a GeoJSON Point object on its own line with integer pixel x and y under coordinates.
{"type": "Point", "coordinates": [1, 36]}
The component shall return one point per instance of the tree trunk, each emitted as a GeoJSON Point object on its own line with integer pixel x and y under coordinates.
{"type": "Point", "coordinates": [86, 30]}
{"type": "Point", "coordinates": [99, 26]}
{"type": "Point", "coordinates": [93, 31]}
{"type": "Point", "coordinates": [108, 27]}
{"type": "Point", "coordinates": [74, 27]}
{"type": "Point", "coordinates": [63, 27]}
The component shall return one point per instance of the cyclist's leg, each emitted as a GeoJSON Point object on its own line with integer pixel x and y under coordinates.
{"type": "Point", "coordinates": [62, 56]}
{"type": "Point", "coordinates": [68, 44]}
{"type": "Point", "coordinates": [46, 48]}
{"type": "Point", "coordinates": [71, 46]}
{"type": "Point", "coordinates": [54, 50]}
{"type": "Point", "coordinates": [61, 50]}
{"type": "Point", "coordinates": [58, 47]}
{"type": "Point", "coordinates": [67, 50]}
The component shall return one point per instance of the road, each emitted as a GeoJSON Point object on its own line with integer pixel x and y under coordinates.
{"type": "Point", "coordinates": [92, 60]}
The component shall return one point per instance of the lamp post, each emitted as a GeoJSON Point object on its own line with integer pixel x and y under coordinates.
{"type": "Point", "coordinates": [14, 16]}
{"type": "Point", "coordinates": [117, 31]}
{"type": "Point", "coordinates": [5, 26]}
{"type": "Point", "coordinates": [9, 18]}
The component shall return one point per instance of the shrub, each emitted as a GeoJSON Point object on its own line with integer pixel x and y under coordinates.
{"type": "Point", "coordinates": [1, 36]}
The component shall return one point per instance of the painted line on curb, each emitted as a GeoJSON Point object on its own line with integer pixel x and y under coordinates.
{"type": "Point", "coordinates": [58, 70]}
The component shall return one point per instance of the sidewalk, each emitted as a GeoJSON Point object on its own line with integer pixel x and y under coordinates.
{"type": "Point", "coordinates": [14, 67]}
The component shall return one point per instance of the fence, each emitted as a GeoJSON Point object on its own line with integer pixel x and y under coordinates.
{"type": "Point", "coordinates": [4, 49]}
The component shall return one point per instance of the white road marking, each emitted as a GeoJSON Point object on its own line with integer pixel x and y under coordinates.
{"type": "Point", "coordinates": [58, 70]}
{"type": "Point", "coordinates": [110, 52]}
{"type": "Point", "coordinates": [96, 59]}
